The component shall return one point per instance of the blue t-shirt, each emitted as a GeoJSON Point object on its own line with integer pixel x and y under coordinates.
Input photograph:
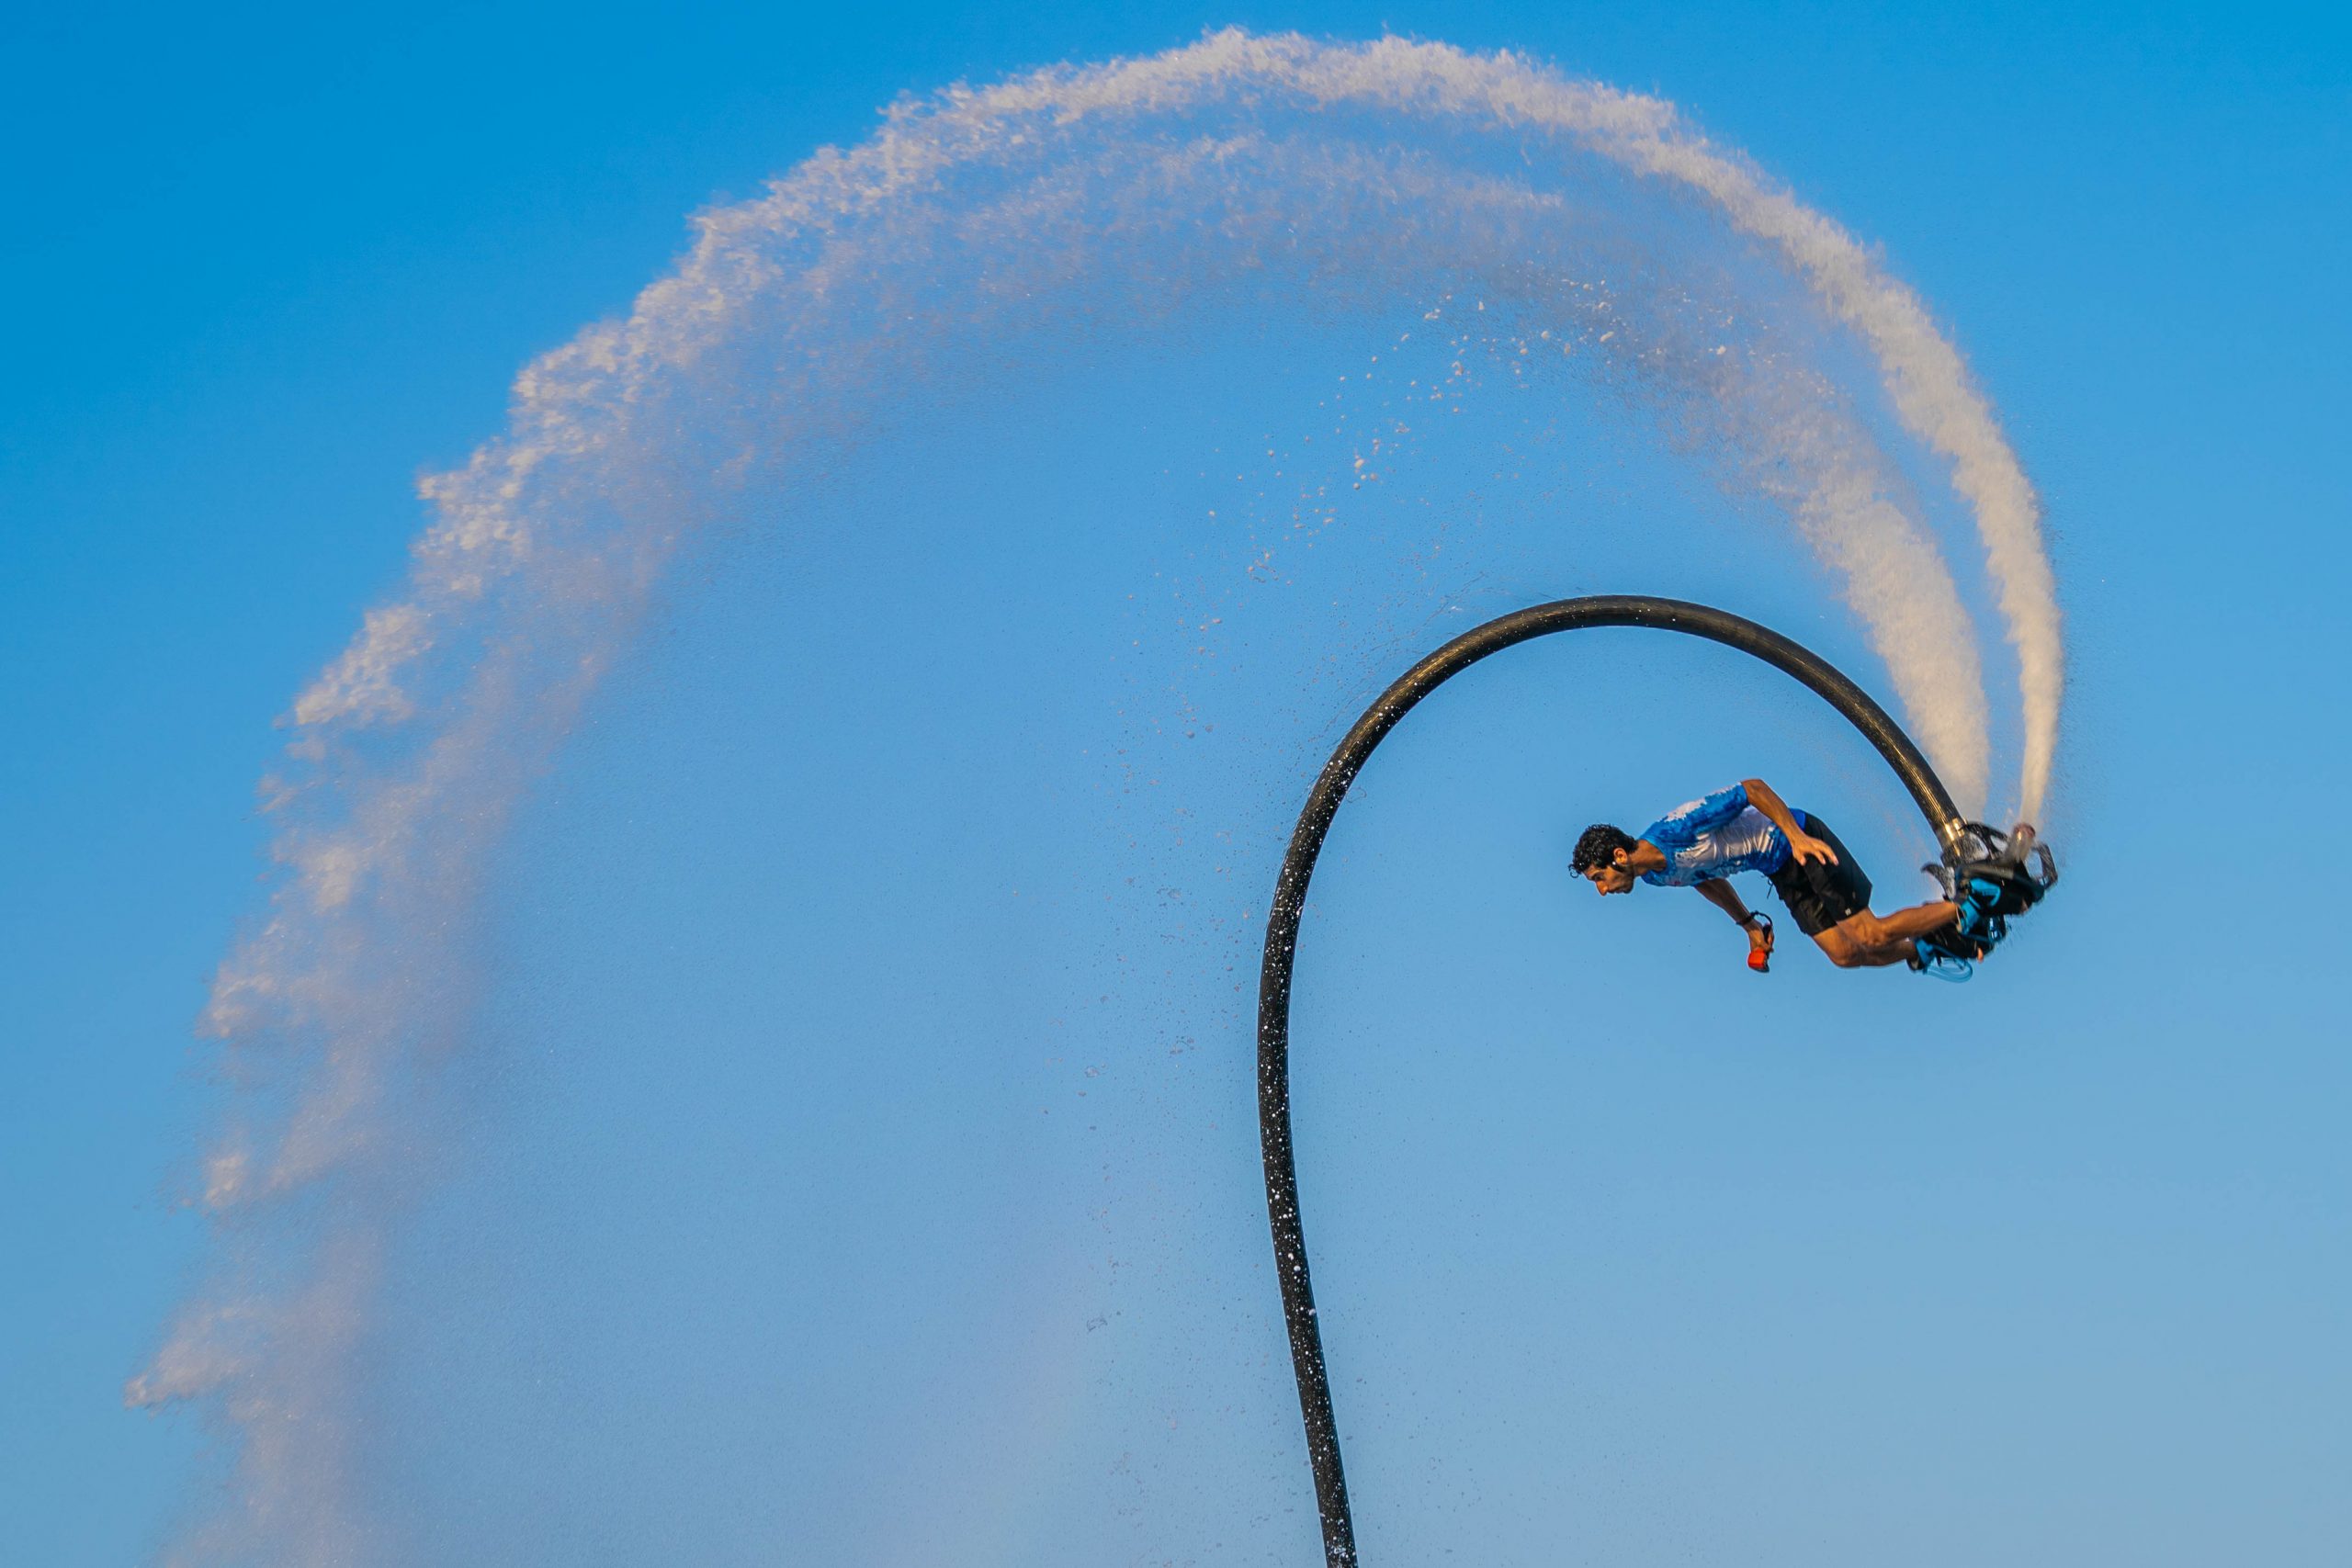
{"type": "Point", "coordinates": [1716, 837]}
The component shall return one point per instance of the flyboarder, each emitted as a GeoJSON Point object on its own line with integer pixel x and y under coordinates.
{"type": "Point", "coordinates": [1749, 827]}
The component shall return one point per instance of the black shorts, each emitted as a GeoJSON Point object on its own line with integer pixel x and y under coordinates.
{"type": "Point", "coordinates": [1820, 896]}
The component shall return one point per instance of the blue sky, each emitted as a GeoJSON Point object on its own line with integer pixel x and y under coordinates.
{"type": "Point", "coordinates": [2050, 1269]}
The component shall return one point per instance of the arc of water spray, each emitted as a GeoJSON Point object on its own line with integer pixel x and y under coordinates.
{"type": "Point", "coordinates": [483, 532]}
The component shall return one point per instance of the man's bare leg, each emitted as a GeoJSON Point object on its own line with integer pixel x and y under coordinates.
{"type": "Point", "coordinates": [1864, 941]}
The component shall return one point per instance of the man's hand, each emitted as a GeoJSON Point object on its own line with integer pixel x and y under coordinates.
{"type": "Point", "coordinates": [1804, 847]}
{"type": "Point", "coordinates": [1805, 850]}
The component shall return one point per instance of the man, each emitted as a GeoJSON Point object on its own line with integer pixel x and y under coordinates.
{"type": "Point", "coordinates": [1748, 828]}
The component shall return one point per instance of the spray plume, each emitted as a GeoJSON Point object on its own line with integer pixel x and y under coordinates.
{"type": "Point", "coordinates": [1367, 172]}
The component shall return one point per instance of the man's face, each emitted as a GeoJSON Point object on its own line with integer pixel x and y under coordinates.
{"type": "Point", "coordinates": [1613, 877]}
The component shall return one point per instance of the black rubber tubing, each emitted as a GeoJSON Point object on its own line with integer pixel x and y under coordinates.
{"type": "Point", "coordinates": [1290, 902]}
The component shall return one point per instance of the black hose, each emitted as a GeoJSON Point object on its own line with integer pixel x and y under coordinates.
{"type": "Point", "coordinates": [1290, 901]}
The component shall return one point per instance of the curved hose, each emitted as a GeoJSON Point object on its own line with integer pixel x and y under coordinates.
{"type": "Point", "coordinates": [1290, 901]}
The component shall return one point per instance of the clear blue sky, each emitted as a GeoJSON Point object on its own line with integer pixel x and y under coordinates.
{"type": "Point", "coordinates": [1642, 1260]}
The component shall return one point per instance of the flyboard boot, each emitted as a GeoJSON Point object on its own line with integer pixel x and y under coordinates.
{"type": "Point", "coordinates": [1993, 877]}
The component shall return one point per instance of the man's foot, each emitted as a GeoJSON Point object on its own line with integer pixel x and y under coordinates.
{"type": "Point", "coordinates": [1950, 941]}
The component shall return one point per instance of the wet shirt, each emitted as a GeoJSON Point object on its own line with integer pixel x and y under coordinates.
{"type": "Point", "coordinates": [1716, 837]}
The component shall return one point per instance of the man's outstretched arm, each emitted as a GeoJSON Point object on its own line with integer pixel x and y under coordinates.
{"type": "Point", "coordinates": [1803, 846]}
{"type": "Point", "coordinates": [1718, 891]}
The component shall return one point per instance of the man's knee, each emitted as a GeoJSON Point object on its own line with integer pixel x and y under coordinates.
{"type": "Point", "coordinates": [1863, 929]}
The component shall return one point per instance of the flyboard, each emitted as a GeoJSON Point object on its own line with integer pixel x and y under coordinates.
{"type": "Point", "coordinates": [1993, 877]}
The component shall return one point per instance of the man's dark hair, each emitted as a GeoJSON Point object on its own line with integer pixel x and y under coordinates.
{"type": "Point", "coordinates": [1598, 847]}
